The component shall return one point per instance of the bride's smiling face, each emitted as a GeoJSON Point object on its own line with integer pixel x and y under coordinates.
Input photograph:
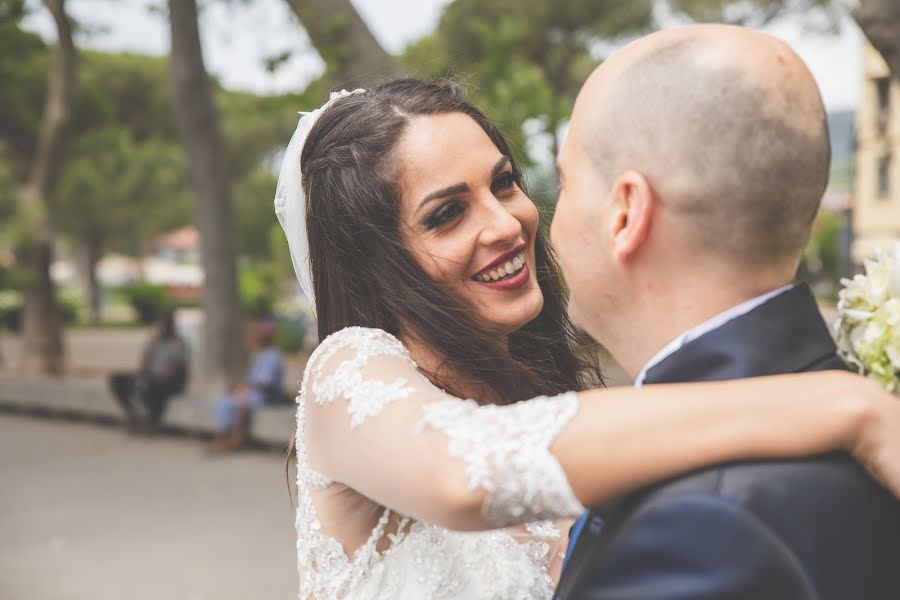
{"type": "Point", "coordinates": [466, 220]}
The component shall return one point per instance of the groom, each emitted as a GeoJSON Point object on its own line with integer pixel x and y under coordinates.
{"type": "Point", "coordinates": [690, 178]}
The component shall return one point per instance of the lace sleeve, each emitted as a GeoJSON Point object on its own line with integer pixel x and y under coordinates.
{"type": "Point", "coordinates": [374, 423]}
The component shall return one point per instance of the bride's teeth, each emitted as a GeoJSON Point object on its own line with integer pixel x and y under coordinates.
{"type": "Point", "coordinates": [510, 267]}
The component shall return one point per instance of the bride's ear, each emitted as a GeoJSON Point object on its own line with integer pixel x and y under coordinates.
{"type": "Point", "coordinates": [633, 206]}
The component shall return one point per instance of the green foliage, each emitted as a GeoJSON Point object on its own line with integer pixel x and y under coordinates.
{"type": "Point", "coordinates": [126, 177]}
{"type": "Point", "coordinates": [254, 128]}
{"type": "Point", "coordinates": [8, 188]}
{"type": "Point", "coordinates": [12, 278]}
{"type": "Point", "coordinates": [24, 60]}
{"type": "Point", "coordinates": [253, 197]}
{"type": "Point", "coordinates": [127, 89]}
{"type": "Point", "coordinates": [130, 90]}
{"type": "Point", "coordinates": [840, 178]}
{"type": "Point", "coordinates": [10, 310]}
{"type": "Point", "coordinates": [259, 284]}
{"type": "Point", "coordinates": [279, 252]}
{"type": "Point", "coordinates": [289, 334]}
{"type": "Point", "coordinates": [115, 191]}
{"type": "Point", "coordinates": [821, 262]}
{"type": "Point", "coordinates": [750, 13]}
{"type": "Point", "coordinates": [148, 300]}
{"type": "Point", "coordinates": [12, 11]}
{"type": "Point", "coordinates": [524, 61]}
{"type": "Point", "coordinates": [72, 305]}
{"type": "Point", "coordinates": [70, 302]}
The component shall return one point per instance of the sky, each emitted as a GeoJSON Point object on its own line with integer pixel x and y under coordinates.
{"type": "Point", "coordinates": [238, 36]}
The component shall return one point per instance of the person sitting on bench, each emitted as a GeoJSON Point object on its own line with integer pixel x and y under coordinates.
{"type": "Point", "coordinates": [262, 385]}
{"type": "Point", "coordinates": [163, 373]}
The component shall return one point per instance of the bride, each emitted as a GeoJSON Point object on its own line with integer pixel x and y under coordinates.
{"type": "Point", "coordinates": [407, 491]}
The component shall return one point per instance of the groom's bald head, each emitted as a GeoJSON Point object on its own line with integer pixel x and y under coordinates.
{"type": "Point", "coordinates": [728, 127]}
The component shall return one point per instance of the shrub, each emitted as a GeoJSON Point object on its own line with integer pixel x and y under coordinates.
{"type": "Point", "coordinates": [11, 310]}
{"type": "Point", "coordinates": [289, 334]}
{"type": "Point", "coordinates": [258, 284]}
{"type": "Point", "coordinates": [148, 300]}
{"type": "Point", "coordinates": [72, 305]}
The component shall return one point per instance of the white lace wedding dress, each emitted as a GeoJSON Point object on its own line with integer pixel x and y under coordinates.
{"type": "Point", "coordinates": [372, 432]}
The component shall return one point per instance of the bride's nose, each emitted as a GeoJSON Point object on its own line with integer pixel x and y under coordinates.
{"type": "Point", "coordinates": [498, 224]}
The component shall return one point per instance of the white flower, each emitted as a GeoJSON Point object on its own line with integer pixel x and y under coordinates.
{"type": "Point", "coordinates": [878, 279]}
{"type": "Point", "coordinates": [893, 353]}
{"type": "Point", "coordinates": [868, 326]}
{"type": "Point", "coordinates": [895, 271]}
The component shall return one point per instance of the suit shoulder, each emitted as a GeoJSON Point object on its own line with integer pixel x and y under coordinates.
{"type": "Point", "coordinates": [747, 482]}
{"type": "Point", "coordinates": [697, 545]}
{"type": "Point", "coordinates": [828, 499]}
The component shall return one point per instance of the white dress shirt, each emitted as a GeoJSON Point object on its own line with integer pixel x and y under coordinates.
{"type": "Point", "coordinates": [705, 327]}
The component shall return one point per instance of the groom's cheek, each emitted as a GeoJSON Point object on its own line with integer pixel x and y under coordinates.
{"type": "Point", "coordinates": [554, 227]}
{"type": "Point", "coordinates": [574, 313]}
{"type": "Point", "coordinates": [560, 238]}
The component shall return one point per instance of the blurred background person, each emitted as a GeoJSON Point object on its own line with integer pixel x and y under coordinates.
{"type": "Point", "coordinates": [262, 385]}
{"type": "Point", "coordinates": [163, 373]}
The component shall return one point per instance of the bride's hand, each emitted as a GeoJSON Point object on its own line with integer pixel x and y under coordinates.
{"type": "Point", "coordinates": [877, 443]}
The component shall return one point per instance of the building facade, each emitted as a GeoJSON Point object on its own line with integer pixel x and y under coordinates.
{"type": "Point", "coordinates": [876, 189]}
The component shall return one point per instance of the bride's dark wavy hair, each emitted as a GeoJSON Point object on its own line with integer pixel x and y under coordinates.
{"type": "Point", "coordinates": [364, 274]}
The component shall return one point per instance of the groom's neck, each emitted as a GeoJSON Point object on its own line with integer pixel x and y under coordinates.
{"type": "Point", "coordinates": [661, 318]}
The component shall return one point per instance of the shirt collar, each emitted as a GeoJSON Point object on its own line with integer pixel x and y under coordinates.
{"type": "Point", "coordinates": [705, 327]}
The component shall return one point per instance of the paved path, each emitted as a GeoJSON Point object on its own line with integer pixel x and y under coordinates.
{"type": "Point", "coordinates": [89, 513]}
{"type": "Point", "coordinates": [94, 353]}
{"type": "Point", "coordinates": [89, 399]}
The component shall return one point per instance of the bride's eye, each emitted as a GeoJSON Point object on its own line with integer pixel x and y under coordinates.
{"type": "Point", "coordinates": [506, 180]}
{"type": "Point", "coordinates": [443, 214]}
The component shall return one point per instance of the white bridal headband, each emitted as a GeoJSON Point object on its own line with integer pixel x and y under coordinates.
{"type": "Point", "coordinates": [290, 201]}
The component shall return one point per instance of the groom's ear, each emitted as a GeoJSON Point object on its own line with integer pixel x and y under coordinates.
{"type": "Point", "coordinates": [633, 206]}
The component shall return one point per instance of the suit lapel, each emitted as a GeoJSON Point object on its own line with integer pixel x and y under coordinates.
{"type": "Point", "coordinates": [592, 541]}
{"type": "Point", "coordinates": [786, 334]}
{"type": "Point", "coordinates": [783, 335]}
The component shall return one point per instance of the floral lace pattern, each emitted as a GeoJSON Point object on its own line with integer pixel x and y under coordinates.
{"type": "Point", "coordinates": [325, 569]}
{"type": "Point", "coordinates": [434, 563]}
{"type": "Point", "coordinates": [506, 453]}
{"type": "Point", "coordinates": [366, 397]}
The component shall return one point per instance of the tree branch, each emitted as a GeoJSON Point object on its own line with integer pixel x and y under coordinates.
{"type": "Point", "coordinates": [880, 21]}
{"type": "Point", "coordinates": [353, 55]}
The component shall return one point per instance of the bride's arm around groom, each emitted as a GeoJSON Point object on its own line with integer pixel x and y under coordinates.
{"type": "Point", "coordinates": [375, 424]}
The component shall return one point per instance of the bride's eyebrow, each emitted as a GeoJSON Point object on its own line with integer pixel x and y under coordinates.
{"type": "Point", "coordinates": [460, 188]}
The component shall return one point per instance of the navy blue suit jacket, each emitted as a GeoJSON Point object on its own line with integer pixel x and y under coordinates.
{"type": "Point", "coordinates": [777, 530]}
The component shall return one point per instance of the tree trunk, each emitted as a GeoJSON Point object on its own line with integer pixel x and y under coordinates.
{"type": "Point", "coordinates": [880, 21]}
{"type": "Point", "coordinates": [223, 352]}
{"type": "Point", "coordinates": [42, 343]}
{"type": "Point", "coordinates": [93, 250]}
{"type": "Point", "coordinates": [353, 55]}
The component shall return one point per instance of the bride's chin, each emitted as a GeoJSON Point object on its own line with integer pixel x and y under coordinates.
{"type": "Point", "coordinates": [518, 317]}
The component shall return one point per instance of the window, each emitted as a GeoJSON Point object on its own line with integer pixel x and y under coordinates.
{"type": "Point", "coordinates": [883, 90]}
{"type": "Point", "coordinates": [884, 177]}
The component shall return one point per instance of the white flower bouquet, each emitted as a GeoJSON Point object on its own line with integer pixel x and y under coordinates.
{"type": "Point", "coordinates": [868, 325]}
